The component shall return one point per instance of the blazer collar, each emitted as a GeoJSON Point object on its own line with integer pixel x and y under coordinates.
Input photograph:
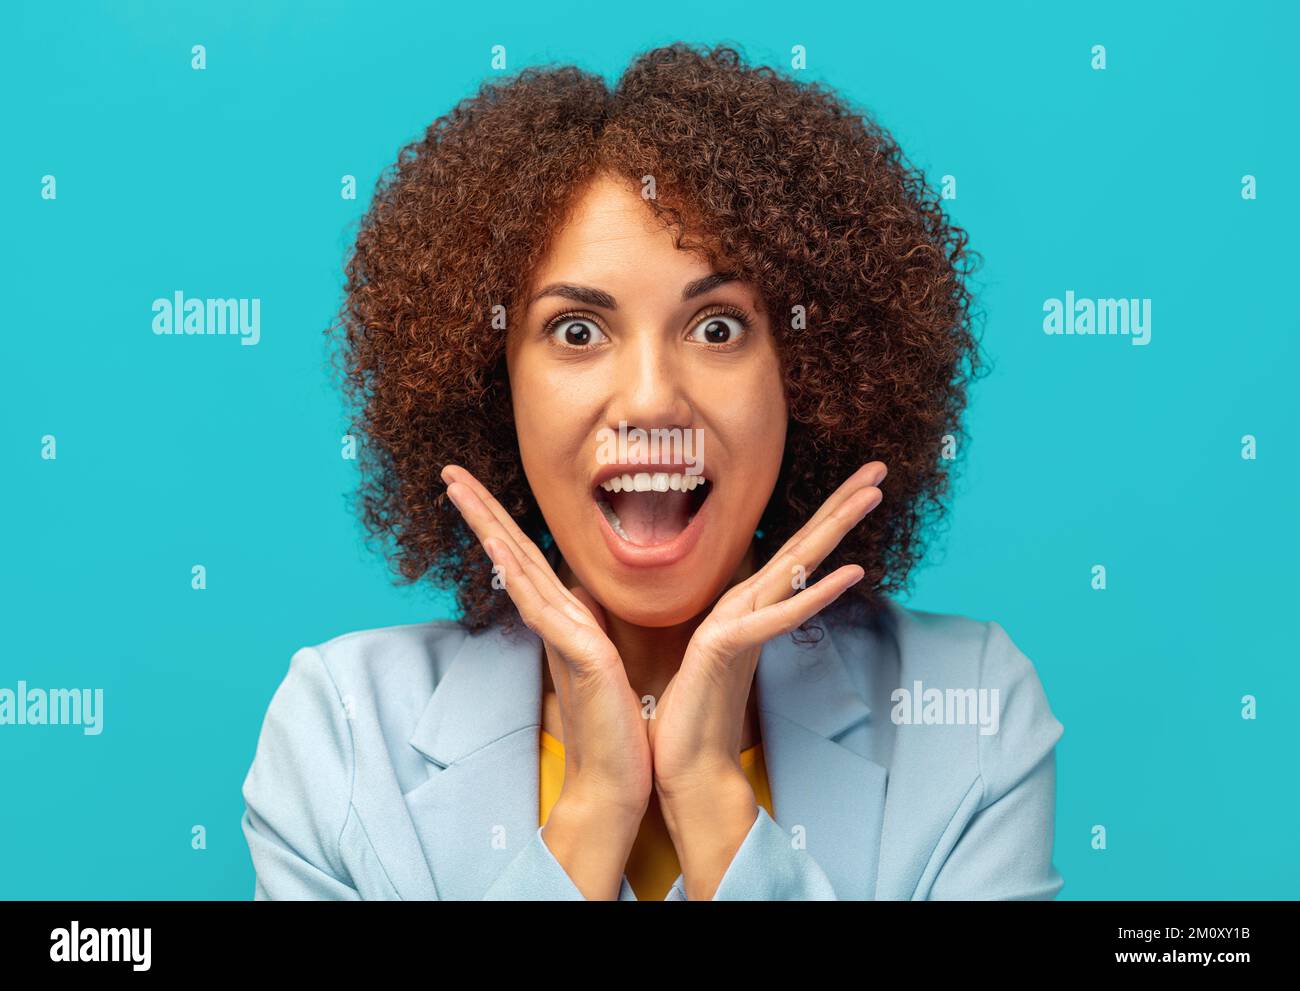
{"type": "Point", "coordinates": [827, 795]}
{"type": "Point", "coordinates": [492, 688]}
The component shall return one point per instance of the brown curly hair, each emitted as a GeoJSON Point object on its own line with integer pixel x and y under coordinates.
{"type": "Point", "coordinates": [804, 195]}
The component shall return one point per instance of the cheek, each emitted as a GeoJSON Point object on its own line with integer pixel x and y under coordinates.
{"type": "Point", "coordinates": [533, 414]}
{"type": "Point", "coordinates": [761, 415]}
{"type": "Point", "coordinates": [550, 434]}
{"type": "Point", "coordinates": [771, 420]}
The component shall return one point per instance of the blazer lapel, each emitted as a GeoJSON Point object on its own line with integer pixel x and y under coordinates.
{"type": "Point", "coordinates": [479, 733]}
{"type": "Point", "coordinates": [806, 704]}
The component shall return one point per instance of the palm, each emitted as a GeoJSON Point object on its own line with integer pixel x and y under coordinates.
{"type": "Point", "coordinates": [683, 734]}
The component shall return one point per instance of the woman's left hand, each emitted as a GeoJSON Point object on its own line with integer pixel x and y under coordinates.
{"type": "Point", "coordinates": [696, 729]}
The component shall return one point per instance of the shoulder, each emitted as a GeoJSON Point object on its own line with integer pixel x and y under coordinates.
{"type": "Point", "coordinates": [359, 652]}
{"type": "Point", "coordinates": [389, 660]}
{"type": "Point", "coordinates": [333, 689]}
{"type": "Point", "coordinates": [338, 698]}
{"type": "Point", "coordinates": [961, 719]}
{"type": "Point", "coordinates": [912, 642]}
{"type": "Point", "coordinates": [951, 648]}
{"type": "Point", "coordinates": [941, 666]}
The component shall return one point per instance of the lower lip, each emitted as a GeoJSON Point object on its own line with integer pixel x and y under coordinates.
{"type": "Point", "coordinates": [654, 555]}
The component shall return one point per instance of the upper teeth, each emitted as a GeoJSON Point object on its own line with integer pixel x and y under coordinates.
{"type": "Point", "coordinates": [657, 482]}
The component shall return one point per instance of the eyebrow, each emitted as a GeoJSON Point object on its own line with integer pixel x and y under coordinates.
{"type": "Point", "coordinates": [598, 297]}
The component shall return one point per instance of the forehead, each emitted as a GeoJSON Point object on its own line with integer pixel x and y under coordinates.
{"type": "Point", "coordinates": [611, 233]}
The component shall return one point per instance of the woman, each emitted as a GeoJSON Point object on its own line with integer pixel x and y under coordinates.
{"type": "Point", "coordinates": [630, 367]}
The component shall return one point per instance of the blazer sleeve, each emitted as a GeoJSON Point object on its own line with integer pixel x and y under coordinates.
{"type": "Point", "coordinates": [298, 791]}
{"type": "Point", "coordinates": [1005, 850]}
{"type": "Point", "coordinates": [767, 867]}
{"type": "Point", "coordinates": [536, 875]}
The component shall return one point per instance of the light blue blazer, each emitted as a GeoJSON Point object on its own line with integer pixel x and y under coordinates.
{"type": "Point", "coordinates": [402, 763]}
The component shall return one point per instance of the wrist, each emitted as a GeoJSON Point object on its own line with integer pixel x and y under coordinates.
{"type": "Point", "coordinates": [721, 781]}
{"type": "Point", "coordinates": [618, 818]}
{"type": "Point", "coordinates": [708, 822]}
{"type": "Point", "coordinates": [707, 830]}
{"type": "Point", "coordinates": [591, 842]}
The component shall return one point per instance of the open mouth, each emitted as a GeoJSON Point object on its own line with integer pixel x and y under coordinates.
{"type": "Point", "coordinates": [650, 508]}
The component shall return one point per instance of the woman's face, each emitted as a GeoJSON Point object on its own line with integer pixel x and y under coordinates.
{"type": "Point", "coordinates": [618, 328]}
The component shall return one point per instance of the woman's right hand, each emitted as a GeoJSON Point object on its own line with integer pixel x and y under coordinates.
{"type": "Point", "coordinates": [608, 770]}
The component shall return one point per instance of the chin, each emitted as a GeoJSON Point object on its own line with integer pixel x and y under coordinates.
{"type": "Point", "coordinates": [648, 608]}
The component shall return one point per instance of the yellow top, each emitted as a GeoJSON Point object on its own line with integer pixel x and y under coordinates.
{"type": "Point", "coordinates": [652, 866]}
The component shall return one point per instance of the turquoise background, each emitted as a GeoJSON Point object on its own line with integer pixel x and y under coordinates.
{"type": "Point", "coordinates": [225, 182]}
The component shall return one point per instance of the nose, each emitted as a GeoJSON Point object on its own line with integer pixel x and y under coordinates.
{"type": "Point", "coordinates": [649, 386]}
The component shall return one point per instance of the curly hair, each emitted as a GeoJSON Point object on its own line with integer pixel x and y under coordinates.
{"type": "Point", "coordinates": [805, 196]}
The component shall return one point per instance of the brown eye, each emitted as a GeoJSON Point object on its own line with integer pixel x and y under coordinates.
{"type": "Point", "coordinates": [719, 328]}
{"type": "Point", "coordinates": [576, 332]}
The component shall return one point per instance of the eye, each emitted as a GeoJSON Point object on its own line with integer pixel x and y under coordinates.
{"type": "Point", "coordinates": [721, 327]}
{"type": "Point", "coordinates": [576, 332]}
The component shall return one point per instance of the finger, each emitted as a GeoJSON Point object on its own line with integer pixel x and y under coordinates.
{"type": "Point", "coordinates": [506, 521]}
{"type": "Point", "coordinates": [579, 643]}
{"type": "Point", "coordinates": [537, 611]}
{"type": "Point", "coordinates": [872, 473]}
{"type": "Point", "coordinates": [486, 526]}
{"type": "Point", "coordinates": [810, 546]}
{"type": "Point", "coordinates": [756, 628]}
{"type": "Point", "coordinates": [455, 473]}
{"type": "Point", "coordinates": [869, 475]}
